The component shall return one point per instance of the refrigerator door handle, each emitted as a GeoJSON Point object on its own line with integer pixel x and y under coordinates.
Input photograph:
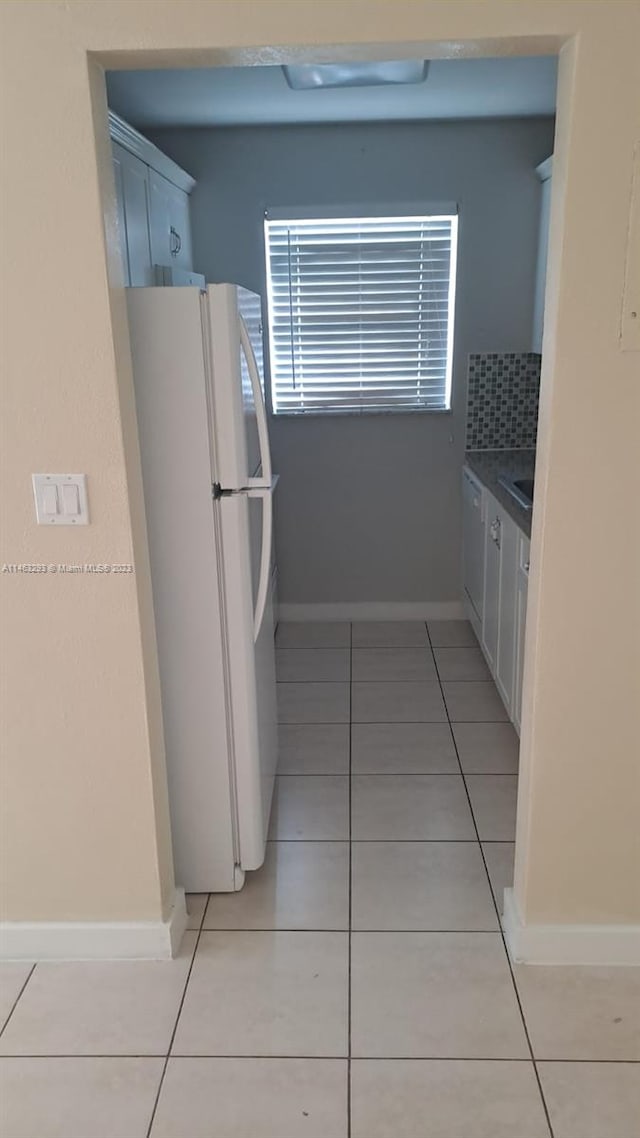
{"type": "Point", "coordinates": [265, 554]}
{"type": "Point", "coordinates": [261, 411]}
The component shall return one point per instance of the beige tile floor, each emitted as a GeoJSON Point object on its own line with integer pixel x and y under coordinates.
{"type": "Point", "coordinates": [358, 987]}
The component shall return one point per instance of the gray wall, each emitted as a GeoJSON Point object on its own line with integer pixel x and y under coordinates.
{"type": "Point", "coordinates": [368, 507]}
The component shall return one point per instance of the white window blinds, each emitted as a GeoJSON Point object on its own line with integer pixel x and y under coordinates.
{"type": "Point", "coordinates": [361, 313]}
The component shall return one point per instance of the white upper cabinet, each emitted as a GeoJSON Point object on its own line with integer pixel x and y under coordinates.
{"type": "Point", "coordinates": [153, 206]}
{"type": "Point", "coordinates": [544, 173]}
{"type": "Point", "coordinates": [134, 206]}
{"type": "Point", "coordinates": [118, 174]}
{"type": "Point", "coordinates": [170, 224]}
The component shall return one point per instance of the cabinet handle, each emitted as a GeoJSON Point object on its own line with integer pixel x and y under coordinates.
{"type": "Point", "coordinates": [526, 566]}
{"type": "Point", "coordinates": [175, 242]}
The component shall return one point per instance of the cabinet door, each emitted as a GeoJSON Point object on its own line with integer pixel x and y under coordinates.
{"type": "Point", "coordinates": [122, 225]}
{"type": "Point", "coordinates": [180, 226]}
{"type": "Point", "coordinates": [473, 540]}
{"type": "Point", "coordinates": [170, 227]}
{"type": "Point", "coordinates": [505, 663]}
{"type": "Point", "coordinates": [491, 606]}
{"type": "Point", "coordinates": [135, 183]}
{"type": "Point", "coordinates": [159, 223]}
{"type": "Point", "coordinates": [522, 588]}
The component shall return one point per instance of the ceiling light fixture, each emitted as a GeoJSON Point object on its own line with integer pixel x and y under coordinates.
{"type": "Point", "coordinates": [304, 77]}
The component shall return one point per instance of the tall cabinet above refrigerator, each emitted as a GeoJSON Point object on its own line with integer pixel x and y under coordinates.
{"type": "Point", "coordinates": [208, 491]}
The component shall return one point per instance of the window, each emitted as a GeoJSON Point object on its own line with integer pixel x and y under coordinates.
{"type": "Point", "coordinates": [361, 313]}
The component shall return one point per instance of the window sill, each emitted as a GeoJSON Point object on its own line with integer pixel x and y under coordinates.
{"type": "Point", "coordinates": [444, 411]}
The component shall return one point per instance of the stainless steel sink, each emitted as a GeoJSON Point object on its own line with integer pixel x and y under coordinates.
{"type": "Point", "coordinates": [520, 489]}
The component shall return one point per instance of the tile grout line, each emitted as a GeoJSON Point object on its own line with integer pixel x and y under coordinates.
{"type": "Point", "coordinates": [428, 679]}
{"type": "Point", "coordinates": [320, 1058]}
{"type": "Point", "coordinates": [175, 1026]}
{"type": "Point", "coordinates": [403, 774]}
{"type": "Point", "coordinates": [18, 997]}
{"type": "Point", "coordinates": [495, 905]}
{"type": "Point", "coordinates": [389, 722]}
{"type": "Point", "coordinates": [378, 932]}
{"type": "Point", "coordinates": [399, 841]}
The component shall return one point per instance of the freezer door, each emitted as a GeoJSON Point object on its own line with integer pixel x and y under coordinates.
{"type": "Point", "coordinates": [251, 656]}
{"type": "Point", "coordinates": [240, 439]}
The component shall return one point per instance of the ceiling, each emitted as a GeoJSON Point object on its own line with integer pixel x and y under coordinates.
{"type": "Point", "coordinates": [242, 96]}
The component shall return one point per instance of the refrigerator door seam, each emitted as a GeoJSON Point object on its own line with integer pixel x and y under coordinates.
{"type": "Point", "coordinates": [217, 524]}
{"type": "Point", "coordinates": [231, 750]}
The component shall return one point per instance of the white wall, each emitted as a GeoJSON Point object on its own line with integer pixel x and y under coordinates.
{"type": "Point", "coordinates": [368, 507]}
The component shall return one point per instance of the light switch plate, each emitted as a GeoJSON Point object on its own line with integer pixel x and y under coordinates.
{"type": "Point", "coordinates": [61, 499]}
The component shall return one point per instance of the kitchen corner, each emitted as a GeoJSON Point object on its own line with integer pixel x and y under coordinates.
{"type": "Point", "coordinates": [494, 468]}
{"type": "Point", "coordinates": [501, 427]}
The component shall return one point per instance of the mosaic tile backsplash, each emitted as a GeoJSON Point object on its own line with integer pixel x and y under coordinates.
{"type": "Point", "coordinates": [502, 400]}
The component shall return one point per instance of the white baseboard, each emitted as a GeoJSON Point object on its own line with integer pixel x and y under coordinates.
{"type": "Point", "coordinates": [95, 940]}
{"type": "Point", "coordinates": [374, 610]}
{"type": "Point", "coordinates": [568, 944]}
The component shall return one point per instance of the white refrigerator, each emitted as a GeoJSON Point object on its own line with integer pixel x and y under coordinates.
{"type": "Point", "coordinates": [208, 493]}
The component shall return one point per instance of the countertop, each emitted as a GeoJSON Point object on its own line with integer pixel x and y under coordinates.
{"type": "Point", "coordinates": [488, 465]}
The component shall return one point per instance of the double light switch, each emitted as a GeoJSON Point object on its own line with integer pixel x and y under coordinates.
{"type": "Point", "coordinates": [61, 499]}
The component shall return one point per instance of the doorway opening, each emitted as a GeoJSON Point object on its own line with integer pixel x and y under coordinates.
{"type": "Point", "coordinates": [397, 238]}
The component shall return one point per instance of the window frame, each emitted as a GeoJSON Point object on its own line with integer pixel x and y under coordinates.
{"type": "Point", "coordinates": [422, 211]}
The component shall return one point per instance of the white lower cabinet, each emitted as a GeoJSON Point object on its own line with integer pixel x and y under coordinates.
{"type": "Point", "coordinates": [491, 607]}
{"type": "Point", "coordinates": [505, 662]}
{"type": "Point", "coordinates": [473, 526]}
{"type": "Point", "coordinates": [505, 569]}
